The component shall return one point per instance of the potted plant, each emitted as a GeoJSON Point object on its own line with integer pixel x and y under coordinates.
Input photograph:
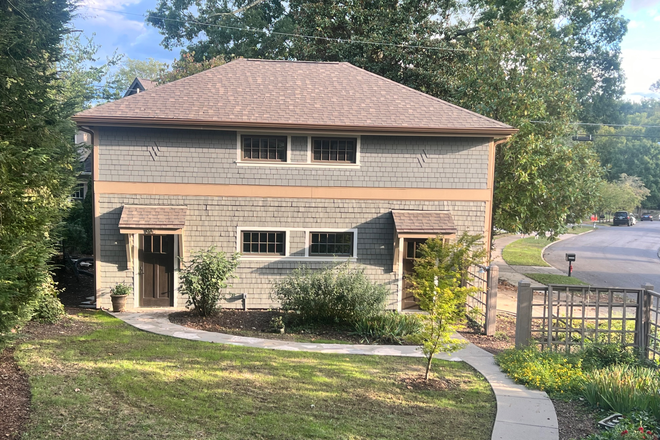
{"type": "Point", "coordinates": [118, 294]}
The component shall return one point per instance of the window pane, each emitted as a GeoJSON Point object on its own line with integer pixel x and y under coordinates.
{"type": "Point", "coordinates": [279, 248]}
{"type": "Point", "coordinates": [156, 244]}
{"type": "Point", "coordinates": [263, 248]}
{"type": "Point", "coordinates": [271, 237]}
{"type": "Point", "coordinates": [255, 248]}
{"type": "Point", "coordinates": [246, 247]}
{"type": "Point", "coordinates": [147, 243]}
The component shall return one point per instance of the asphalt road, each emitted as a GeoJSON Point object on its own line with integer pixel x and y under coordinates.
{"type": "Point", "coordinates": [617, 256]}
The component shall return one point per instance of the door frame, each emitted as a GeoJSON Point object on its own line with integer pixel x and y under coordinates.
{"type": "Point", "coordinates": [136, 271]}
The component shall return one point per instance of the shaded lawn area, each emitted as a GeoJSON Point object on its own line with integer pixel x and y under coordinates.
{"type": "Point", "coordinates": [114, 381]}
{"type": "Point", "coordinates": [548, 278]}
{"type": "Point", "coordinates": [525, 252]}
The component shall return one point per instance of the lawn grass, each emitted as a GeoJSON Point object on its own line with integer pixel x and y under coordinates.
{"type": "Point", "coordinates": [579, 229]}
{"type": "Point", "coordinates": [115, 381]}
{"type": "Point", "coordinates": [548, 278]}
{"type": "Point", "coordinates": [525, 252]}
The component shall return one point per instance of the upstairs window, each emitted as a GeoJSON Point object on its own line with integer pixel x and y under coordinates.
{"type": "Point", "coordinates": [337, 150]}
{"type": "Point", "coordinates": [325, 244]}
{"type": "Point", "coordinates": [265, 148]}
{"type": "Point", "coordinates": [263, 243]}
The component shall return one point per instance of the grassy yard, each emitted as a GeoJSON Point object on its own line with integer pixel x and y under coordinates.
{"type": "Point", "coordinates": [112, 381]}
{"type": "Point", "coordinates": [579, 229]}
{"type": "Point", "coordinates": [525, 252]}
{"type": "Point", "coordinates": [547, 278]}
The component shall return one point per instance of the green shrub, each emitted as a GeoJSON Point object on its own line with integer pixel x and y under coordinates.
{"type": "Point", "coordinates": [544, 370]}
{"type": "Point", "coordinates": [597, 356]}
{"type": "Point", "coordinates": [334, 295]}
{"type": "Point", "coordinates": [48, 308]}
{"type": "Point", "coordinates": [203, 278]}
{"type": "Point", "coordinates": [390, 327]}
{"type": "Point", "coordinates": [624, 388]}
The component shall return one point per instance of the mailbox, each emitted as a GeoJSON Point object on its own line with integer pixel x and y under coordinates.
{"type": "Point", "coordinates": [570, 257]}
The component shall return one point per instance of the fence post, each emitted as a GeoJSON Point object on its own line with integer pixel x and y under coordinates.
{"type": "Point", "coordinates": [491, 299]}
{"type": "Point", "coordinates": [646, 319]}
{"type": "Point", "coordinates": [524, 314]}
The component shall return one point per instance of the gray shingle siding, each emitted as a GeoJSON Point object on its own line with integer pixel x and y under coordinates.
{"type": "Point", "coordinates": [185, 156]}
{"type": "Point", "coordinates": [214, 221]}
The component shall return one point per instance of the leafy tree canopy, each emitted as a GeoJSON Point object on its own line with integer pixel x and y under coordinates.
{"type": "Point", "coordinates": [634, 150]}
{"type": "Point", "coordinates": [36, 149]}
{"type": "Point", "coordinates": [129, 69]}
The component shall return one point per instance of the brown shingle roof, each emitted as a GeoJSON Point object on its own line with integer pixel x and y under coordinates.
{"type": "Point", "coordinates": [153, 217]}
{"type": "Point", "coordinates": [431, 222]}
{"type": "Point", "coordinates": [294, 95]}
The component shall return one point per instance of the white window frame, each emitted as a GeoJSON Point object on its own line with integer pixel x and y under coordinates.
{"type": "Point", "coordinates": [309, 163]}
{"type": "Point", "coordinates": [287, 248]}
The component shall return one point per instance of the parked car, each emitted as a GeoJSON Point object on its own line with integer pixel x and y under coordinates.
{"type": "Point", "coordinates": [623, 218]}
{"type": "Point", "coordinates": [647, 218]}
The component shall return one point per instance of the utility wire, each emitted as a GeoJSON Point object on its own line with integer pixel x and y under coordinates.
{"type": "Point", "coordinates": [598, 125]}
{"type": "Point", "coordinates": [287, 34]}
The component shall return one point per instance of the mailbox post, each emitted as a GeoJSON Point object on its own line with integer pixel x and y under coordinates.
{"type": "Point", "coordinates": [570, 258]}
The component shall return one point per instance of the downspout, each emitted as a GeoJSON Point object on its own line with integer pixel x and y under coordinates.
{"type": "Point", "coordinates": [492, 205]}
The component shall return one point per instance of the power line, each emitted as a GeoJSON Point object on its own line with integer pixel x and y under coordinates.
{"type": "Point", "coordinates": [286, 34]}
{"type": "Point", "coordinates": [598, 125]}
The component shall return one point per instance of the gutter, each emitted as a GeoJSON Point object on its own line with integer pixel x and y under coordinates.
{"type": "Point", "coordinates": [228, 125]}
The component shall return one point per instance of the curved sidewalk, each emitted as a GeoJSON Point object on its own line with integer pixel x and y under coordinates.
{"type": "Point", "coordinates": [521, 413]}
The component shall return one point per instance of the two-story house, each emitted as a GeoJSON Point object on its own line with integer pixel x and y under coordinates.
{"type": "Point", "coordinates": [289, 163]}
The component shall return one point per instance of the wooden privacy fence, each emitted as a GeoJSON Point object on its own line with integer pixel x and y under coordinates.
{"type": "Point", "coordinates": [564, 317]}
{"type": "Point", "coordinates": [482, 304]}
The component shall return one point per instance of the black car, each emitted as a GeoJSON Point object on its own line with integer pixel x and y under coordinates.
{"type": "Point", "coordinates": [622, 218]}
{"type": "Point", "coordinates": [647, 218]}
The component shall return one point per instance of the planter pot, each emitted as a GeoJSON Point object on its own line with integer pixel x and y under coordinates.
{"type": "Point", "coordinates": [118, 302]}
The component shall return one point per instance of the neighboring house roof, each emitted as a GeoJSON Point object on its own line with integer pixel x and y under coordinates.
{"type": "Point", "coordinates": [153, 217]}
{"type": "Point", "coordinates": [424, 222]}
{"type": "Point", "coordinates": [292, 95]}
{"type": "Point", "coordinates": [140, 85]}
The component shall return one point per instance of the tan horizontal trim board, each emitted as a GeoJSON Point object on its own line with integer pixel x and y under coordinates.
{"type": "Point", "coordinates": [118, 121]}
{"type": "Point", "coordinates": [295, 192]}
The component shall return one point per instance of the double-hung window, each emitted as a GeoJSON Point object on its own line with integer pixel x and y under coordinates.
{"type": "Point", "coordinates": [334, 150]}
{"type": "Point", "coordinates": [329, 244]}
{"type": "Point", "coordinates": [264, 148]}
{"type": "Point", "coordinates": [263, 243]}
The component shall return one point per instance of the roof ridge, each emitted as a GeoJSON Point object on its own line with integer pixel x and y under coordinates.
{"type": "Point", "coordinates": [427, 96]}
{"type": "Point", "coordinates": [292, 61]}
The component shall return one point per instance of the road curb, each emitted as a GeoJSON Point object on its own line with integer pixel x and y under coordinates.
{"type": "Point", "coordinates": [562, 239]}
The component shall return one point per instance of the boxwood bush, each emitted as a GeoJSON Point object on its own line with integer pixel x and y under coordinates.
{"type": "Point", "coordinates": [340, 294]}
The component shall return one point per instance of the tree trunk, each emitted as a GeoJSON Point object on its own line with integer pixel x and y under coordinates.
{"type": "Point", "coordinates": [428, 368]}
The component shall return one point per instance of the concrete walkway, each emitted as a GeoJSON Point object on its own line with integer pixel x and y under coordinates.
{"type": "Point", "coordinates": [521, 413]}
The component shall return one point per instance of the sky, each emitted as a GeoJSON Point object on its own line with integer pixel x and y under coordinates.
{"type": "Point", "coordinates": [124, 30]}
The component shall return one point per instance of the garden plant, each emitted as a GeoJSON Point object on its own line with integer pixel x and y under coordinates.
{"type": "Point", "coordinates": [439, 283]}
{"type": "Point", "coordinates": [204, 277]}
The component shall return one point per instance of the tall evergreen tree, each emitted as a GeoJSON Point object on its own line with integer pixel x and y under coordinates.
{"type": "Point", "coordinates": [36, 149]}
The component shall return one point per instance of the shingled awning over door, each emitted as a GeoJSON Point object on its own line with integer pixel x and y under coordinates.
{"type": "Point", "coordinates": [156, 220]}
{"type": "Point", "coordinates": [423, 224]}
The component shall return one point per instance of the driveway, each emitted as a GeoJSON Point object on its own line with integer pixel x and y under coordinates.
{"type": "Point", "coordinates": [618, 256]}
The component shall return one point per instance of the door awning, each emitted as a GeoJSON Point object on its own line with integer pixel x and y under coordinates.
{"type": "Point", "coordinates": [423, 224]}
{"type": "Point", "coordinates": [152, 219]}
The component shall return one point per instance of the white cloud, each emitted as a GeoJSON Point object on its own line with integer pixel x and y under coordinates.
{"type": "Point", "coordinates": [642, 68]}
{"type": "Point", "coordinates": [108, 13]}
{"type": "Point", "coordinates": [632, 24]}
{"type": "Point", "coordinates": [636, 5]}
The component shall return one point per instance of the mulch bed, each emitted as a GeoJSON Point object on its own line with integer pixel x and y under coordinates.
{"type": "Point", "coordinates": [14, 397]}
{"type": "Point", "coordinates": [257, 323]}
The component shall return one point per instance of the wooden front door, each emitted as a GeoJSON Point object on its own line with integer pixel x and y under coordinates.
{"type": "Point", "coordinates": [408, 300]}
{"type": "Point", "coordinates": [156, 270]}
